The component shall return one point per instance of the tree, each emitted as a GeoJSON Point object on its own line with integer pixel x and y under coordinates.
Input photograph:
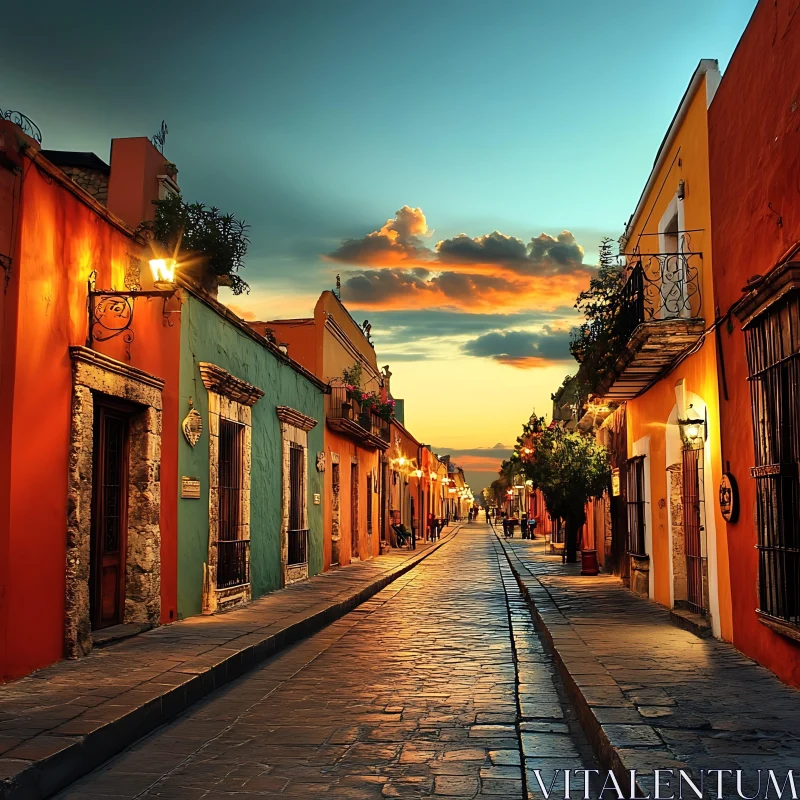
{"type": "Point", "coordinates": [597, 342]}
{"type": "Point", "coordinates": [212, 242]}
{"type": "Point", "coordinates": [569, 468]}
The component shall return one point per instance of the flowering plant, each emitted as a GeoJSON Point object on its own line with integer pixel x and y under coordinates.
{"type": "Point", "coordinates": [384, 410]}
{"type": "Point", "coordinates": [353, 392]}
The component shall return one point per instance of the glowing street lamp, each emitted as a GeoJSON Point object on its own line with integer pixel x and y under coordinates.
{"type": "Point", "coordinates": [111, 311]}
{"type": "Point", "coordinates": [163, 270]}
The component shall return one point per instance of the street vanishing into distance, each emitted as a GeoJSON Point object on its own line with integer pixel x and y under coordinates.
{"type": "Point", "coordinates": [438, 685]}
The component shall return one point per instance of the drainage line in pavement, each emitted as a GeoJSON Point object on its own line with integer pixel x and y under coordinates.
{"type": "Point", "coordinates": [517, 722]}
{"type": "Point", "coordinates": [589, 726]}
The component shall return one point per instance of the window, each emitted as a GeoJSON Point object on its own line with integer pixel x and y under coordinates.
{"type": "Point", "coordinates": [636, 503]}
{"type": "Point", "coordinates": [298, 532]}
{"type": "Point", "coordinates": [232, 549]}
{"type": "Point", "coordinates": [773, 360]}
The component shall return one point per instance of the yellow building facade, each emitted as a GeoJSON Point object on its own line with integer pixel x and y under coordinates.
{"type": "Point", "coordinates": [667, 376]}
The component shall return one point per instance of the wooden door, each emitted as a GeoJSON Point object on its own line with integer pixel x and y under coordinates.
{"type": "Point", "coordinates": [690, 490]}
{"type": "Point", "coordinates": [109, 516]}
{"type": "Point", "coordinates": [354, 510]}
{"type": "Point", "coordinates": [335, 514]}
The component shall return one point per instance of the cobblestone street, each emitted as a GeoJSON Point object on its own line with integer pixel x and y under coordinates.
{"type": "Point", "coordinates": [420, 691]}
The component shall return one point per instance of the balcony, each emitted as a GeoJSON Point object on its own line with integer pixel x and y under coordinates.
{"type": "Point", "coordinates": [361, 424]}
{"type": "Point", "coordinates": [660, 319]}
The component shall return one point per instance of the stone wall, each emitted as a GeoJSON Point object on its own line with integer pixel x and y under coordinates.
{"type": "Point", "coordinates": [93, 181]}
{"type": "Point", "coordinates": [222, 407]}
{"type": "Point", "coordinates": [96, 374]}
{"type": "Point", "coordinates": [640, 575]}
{"type": "Point", "coordinates": [294, 430]}
{"type": "Point", "coordinates": [675, 475]}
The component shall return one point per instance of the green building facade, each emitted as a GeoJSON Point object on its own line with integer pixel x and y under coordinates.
{"type": "Point", "coordinates": [263, 419]}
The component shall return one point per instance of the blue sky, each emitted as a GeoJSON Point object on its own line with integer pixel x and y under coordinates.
{"type": "Point", "coordinates": [317, 121]}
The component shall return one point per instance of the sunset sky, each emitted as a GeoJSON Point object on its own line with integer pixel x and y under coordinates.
{"type": "Point", "coordinates": [457, 162]}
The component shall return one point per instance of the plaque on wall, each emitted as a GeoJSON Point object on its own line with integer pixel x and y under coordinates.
{"type": "Point", "coordinates": [190, 488]}
{"type": "Point", "coordinates": [729, 497]}
{"type": "Point", "coordinates": [317, 500]}
{"type": "Point", "coordinates": [615, 485]}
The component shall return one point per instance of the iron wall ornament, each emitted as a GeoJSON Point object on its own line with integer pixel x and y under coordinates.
{"type": "Point", "coordinates": [111, 312]}
{"type": "Point", "coordinates": [192, 426]}
{"type": "Point", "coordinates": [161, 137]}
{"type": "Point", "coordinates": [110, 315]}
{"type": "Point", "coordinates": [29, 127]}
{"type": "Point", "coordinates": [133, 273]}
{"type": "Point", "coordinates": [321, 462]}
{"type": "Point", "coordinates": [729, 497]}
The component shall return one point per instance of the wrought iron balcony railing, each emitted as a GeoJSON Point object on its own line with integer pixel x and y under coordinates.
{"type": "Point", "coordinates": [343, 407]}
{"type": "Point", "coordinates": [29, 127]}
{"type": "Point", "coordinates": [660, 286]}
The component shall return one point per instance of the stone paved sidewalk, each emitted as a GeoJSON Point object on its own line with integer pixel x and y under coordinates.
{"type": "Point", "coordinates": [651, 695]}
{"type": "Point", "coordinates": [60, 722]}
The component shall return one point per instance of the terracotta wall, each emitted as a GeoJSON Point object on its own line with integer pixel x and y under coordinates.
{"type": "Point", "coordinates": [61, 241]}
{"type": "Point", "coordinates": [754, 132]}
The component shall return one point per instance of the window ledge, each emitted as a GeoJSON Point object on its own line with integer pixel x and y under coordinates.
{"type": "Point", "coordinates": [781, 626]}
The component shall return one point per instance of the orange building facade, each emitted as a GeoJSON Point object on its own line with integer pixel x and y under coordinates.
{"type": "Point", "coordinates": [755, 211]}
{"type": "Point", "coordinates": [65, 386]}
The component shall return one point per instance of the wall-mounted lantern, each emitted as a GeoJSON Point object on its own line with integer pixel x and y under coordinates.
{"type": "Point", "coordinates": [163, 270]}
{"type": "Point", "coordinates": [694, 429]}
{"type": "Point", "coordinates": [111, 312]}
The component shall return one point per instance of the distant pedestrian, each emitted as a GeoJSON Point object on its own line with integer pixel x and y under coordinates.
{"type": "Point", "coordinates": [486, 510]}
{"type": "Point", "coordinates": [523, 526]}
{"type": "Point", "coordinates": [532, 528]}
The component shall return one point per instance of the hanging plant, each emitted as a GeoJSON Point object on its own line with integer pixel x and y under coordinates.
{"type": "Point", "coordinates": [203, 235]}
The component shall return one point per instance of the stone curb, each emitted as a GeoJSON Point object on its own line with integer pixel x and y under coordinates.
{"type": "Point", "coordinates": [577, 664]}
{"type": "Point", "coordinates": [64, 759]}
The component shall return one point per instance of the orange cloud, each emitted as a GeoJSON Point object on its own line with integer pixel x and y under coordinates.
{"type": "Point", "coordinates": [463, 273]}
{"type": "Point", "coordinates": [524, 349]}
{"type": "Point", "coordinates": [397, 289]}
{"type": "Point", "coordinates": [397, 242]}
{"type": "Point", "coordinates": [524, 362]}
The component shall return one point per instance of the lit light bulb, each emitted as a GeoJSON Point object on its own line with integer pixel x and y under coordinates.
{"type": "Point", "coordinates": [163, 270]}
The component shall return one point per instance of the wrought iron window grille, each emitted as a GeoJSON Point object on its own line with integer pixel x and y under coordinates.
{"type": "Point", "coordinates": [297, 534]}
{"type": "Point", "coordinates": [636, 507]}
{"type": "Point", "coordinates": [773, 359]}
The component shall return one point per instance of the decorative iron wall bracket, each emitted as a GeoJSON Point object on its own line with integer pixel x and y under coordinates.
{"type": "Point", "coordinates": [111, 312]}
